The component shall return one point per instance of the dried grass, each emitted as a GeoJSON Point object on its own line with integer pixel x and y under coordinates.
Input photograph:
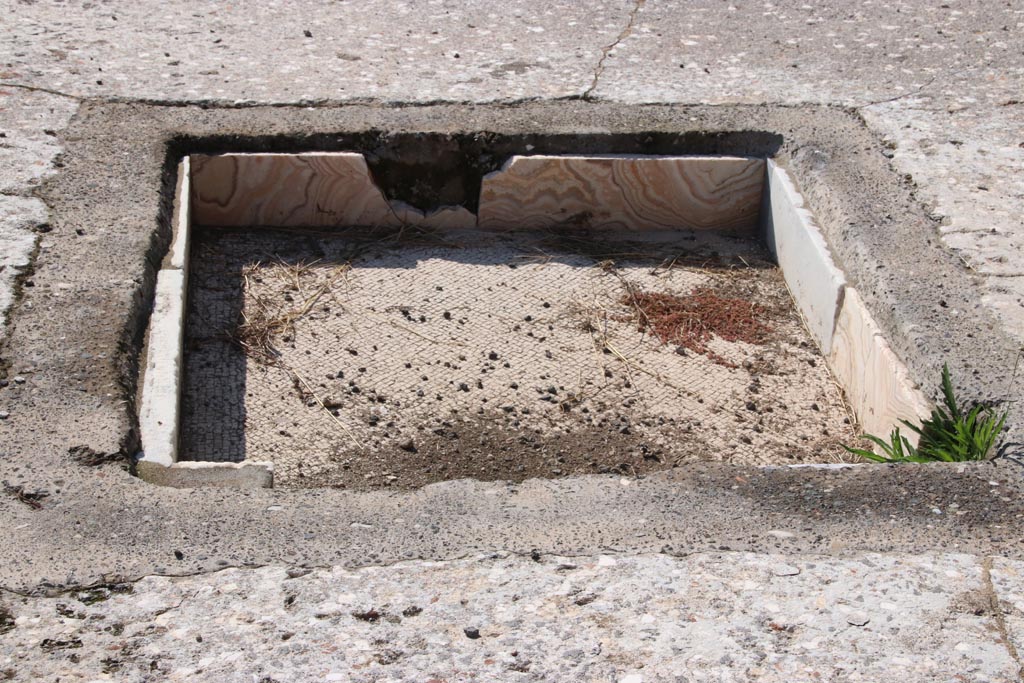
{"type": "Point", "coordinates": [692, 321]}
{"type": "Point", "coordinates": [266, 321]}
{"type": "Point", "coordinates": [259, 329]}
{"type": "Point", "coordinates": [602, 247]}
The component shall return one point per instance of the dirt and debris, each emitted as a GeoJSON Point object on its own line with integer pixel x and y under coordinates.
{"type": "Point", "coordinates": [31, 498]}
{"type": "Point", "coordinates": [86, 456]}
{"type": "Point", "coordinates": [693, 320]}
{"type": "Point", "coordinates": [370, 615]}
{"type": "Point", "coordinates": [410, 359]}
{"type": "Point", "coordinates": [101, 593]}
{"type": "Point", "coordinates": [55, 644]}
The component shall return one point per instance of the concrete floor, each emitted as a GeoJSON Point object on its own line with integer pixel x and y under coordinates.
{"type": "Point", "coordinates": [106, 85]}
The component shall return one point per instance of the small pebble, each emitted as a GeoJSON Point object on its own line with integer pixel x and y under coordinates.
{"type": "Point", "coordinates": [857, 618]}
{"type": "Point", "coordinates": [785, 570]}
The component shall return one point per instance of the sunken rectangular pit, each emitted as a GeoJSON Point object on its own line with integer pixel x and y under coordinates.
{"type": "Point", "coordinates": [587, 315]}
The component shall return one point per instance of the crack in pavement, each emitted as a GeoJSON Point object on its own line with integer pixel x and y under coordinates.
{"type": "Point", "coordinates": [171, 608]}
{"type": "Point", "coordinates": [315, 103]}
{"type": "Point", "coordinates": [946, 79]}
{"type": "Point", "coordinates": [48, 91]}
{"type": "Point", "coordinates": [997, 614]}
{"type": "Point", "coordinates": [606, 50]}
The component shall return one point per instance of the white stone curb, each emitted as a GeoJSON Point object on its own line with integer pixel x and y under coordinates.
{"type": "Point", "coordinates": [877, 384]}
{"type": "Point", "coordinates": [793, 237]}
{"type": "Point", "coordinates": [159, 416]}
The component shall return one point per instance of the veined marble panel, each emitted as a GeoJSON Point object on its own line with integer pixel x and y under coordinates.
{"type": "Point", "coordinates": [287, 190]}
{"type": "Point", "coordinates": [877, 383]}
{"type": "Point", "coordinates": [624, 192]}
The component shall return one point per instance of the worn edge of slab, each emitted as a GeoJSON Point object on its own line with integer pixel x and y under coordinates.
{"type": "Point", "coordinates": [182, 218]}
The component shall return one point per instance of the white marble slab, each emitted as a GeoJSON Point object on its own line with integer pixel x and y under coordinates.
{"type": "Point", "coordinates": [624, 192]}
{"type": "Point", "coordinates": [287, 190]}
{"type": "Point", "coordinates": [876, 382]}
{"type": "Point", "coordinates": [800, 250]}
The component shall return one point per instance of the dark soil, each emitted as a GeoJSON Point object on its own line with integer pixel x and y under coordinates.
{"type": "Point", "coordinates": [490, 448]}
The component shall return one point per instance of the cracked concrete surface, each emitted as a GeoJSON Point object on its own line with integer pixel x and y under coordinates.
{"type": "Point", "coordinates": [607, 50]}
{"type": "Point", "coordinates": [28, 145]}
{"type": "Point", "coordinates": [645, 618]}
{"type": "Point", "coordinates": [379, 50]}
{"type": "Point", "coordinates": [939, 82]}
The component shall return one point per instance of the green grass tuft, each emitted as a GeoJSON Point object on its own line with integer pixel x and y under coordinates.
{"type": "Point", "coordinates": [953, 433]}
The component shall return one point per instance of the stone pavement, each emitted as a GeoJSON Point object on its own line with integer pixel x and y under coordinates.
{"type": "Point", "coordinates": [646, 618]}
{"type": "Point", "coordinates": [939, 82]}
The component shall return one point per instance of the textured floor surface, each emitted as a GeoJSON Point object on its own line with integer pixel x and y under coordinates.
{"type": "Point", "coordinates": [470, 354]}
{"type": "Point", "coordinates": [940, 82]}
{"type": "Point", "coordinates": [706, 617]}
